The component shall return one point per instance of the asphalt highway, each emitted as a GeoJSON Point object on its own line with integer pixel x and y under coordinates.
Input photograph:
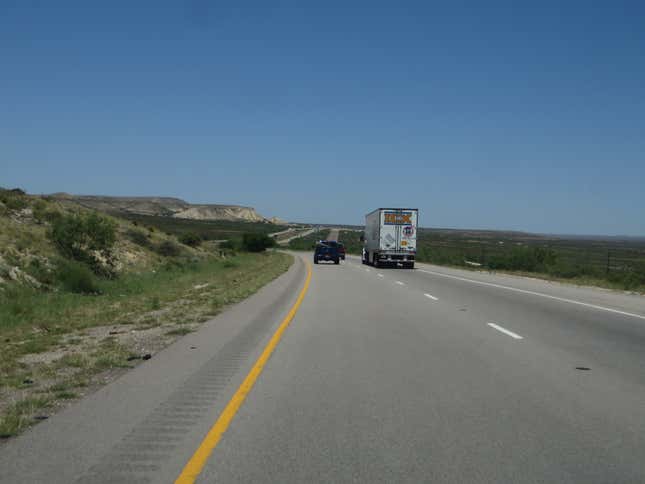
{"type": "Point", "coordinates": [383, 375]}
{"type": "Point", "coordinates": [333, 234]}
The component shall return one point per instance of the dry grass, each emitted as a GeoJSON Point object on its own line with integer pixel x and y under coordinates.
{"type": "Point", "coordinates": [54, 344]}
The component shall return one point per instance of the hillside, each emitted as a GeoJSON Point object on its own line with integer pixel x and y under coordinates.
{"type": "Point", "coordinates": [84, 296]}
{"type": "Point", "coordinates": [162, 206]}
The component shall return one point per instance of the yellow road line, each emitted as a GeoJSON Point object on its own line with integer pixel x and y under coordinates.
{"type": "Point", "coordinates": [205, 449]}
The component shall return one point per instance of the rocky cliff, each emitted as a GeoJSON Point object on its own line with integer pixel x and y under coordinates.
{"type": "Point", "coordinates": [164, 206]}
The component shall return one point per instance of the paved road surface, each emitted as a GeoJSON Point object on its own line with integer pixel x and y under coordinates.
{"type": "Point", "coordinates": [333, 234]}
{"type": "Point", "coordinates": [431, 375]}
{"type": "Point", "coordinates": [303, 233]}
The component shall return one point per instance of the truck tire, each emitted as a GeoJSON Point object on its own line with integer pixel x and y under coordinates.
{"type": "Point", "coordinates": [315, 261]}
{"type": "Point", "coordinates": [337, 261]}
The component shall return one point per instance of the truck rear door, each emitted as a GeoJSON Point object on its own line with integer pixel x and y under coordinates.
{"type": "Point", "coordinates": [408, 241]}
{"type": "Point", "coordinates": [398, 230]}
{"type": "Point", "coordinates": [388, 232]}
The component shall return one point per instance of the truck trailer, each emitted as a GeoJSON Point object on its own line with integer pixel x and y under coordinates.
{"type": "Point", "coordinates": [390, 237]}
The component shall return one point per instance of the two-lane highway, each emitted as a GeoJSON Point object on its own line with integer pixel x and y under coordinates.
{"type": "Point", "coordinates": [430, 375]}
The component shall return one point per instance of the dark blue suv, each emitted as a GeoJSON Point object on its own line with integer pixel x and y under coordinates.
{"type": "Point", "coordinates": [327, 253]}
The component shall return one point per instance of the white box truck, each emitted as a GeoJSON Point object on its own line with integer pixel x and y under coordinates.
{"type": "Point", "coordinates": [390, 237]}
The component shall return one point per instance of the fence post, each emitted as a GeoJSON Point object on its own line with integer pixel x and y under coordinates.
{"type": "Point", "coordinates": [608, 261]}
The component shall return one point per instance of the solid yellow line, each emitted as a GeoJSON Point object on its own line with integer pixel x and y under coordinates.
{"type": "Point", "coordinates": [203, 452]}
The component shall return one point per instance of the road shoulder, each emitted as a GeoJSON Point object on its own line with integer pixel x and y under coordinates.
{"type": "Point", "coordinates": [153, 415]}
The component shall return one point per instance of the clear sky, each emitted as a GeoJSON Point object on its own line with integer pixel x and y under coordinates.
{"type": "Point", "coordinates": [501, 115]}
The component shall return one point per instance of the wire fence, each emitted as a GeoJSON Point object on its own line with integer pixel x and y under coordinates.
{"type": "Point", "coordinates": [599, 258]}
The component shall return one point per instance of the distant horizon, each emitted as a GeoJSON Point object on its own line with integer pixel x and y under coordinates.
{"type": "Point", "coordinates": [475, 229]}
{"type": "Point", "coordinates": [261, 213]}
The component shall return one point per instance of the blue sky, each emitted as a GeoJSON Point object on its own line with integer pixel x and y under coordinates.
{"type": "Point", "coordinates": [482, 114]}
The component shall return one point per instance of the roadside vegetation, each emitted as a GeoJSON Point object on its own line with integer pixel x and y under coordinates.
{"type": "Point", "coordinates": [308, 242]}
{"type": "Point", "coordinates": [203, 230]}
{"type": "Point", "coordinates": [611, 264]}
{"type": "Point", "coordinates": [84, 296]}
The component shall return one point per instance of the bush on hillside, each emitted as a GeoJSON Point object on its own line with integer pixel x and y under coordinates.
{"type": "Point", "coordinates": [139, 237]}
{"type": "Point", "coordinates": [86, 238]}
{"type": "Point", "coordinates": [42, 212]}
{"type": "Point", "coordinates": [228, 244]}
{"type": "Point", "coordinates": [78, 234]}
{"type": "Point", "coordinates": [256, 242]}
{"type": "Point", "coordinates": [41, 271]}
{"type": "Point", "coordinates": [76, 277]}
{"type": "Point", "coordinates": [13, 199]}
{"type": "Point", "coordinates": [53, 215]}
{"type": "Point", "coordinates": [191, 239]}
{"type": "Point", "coordinates": [168, 248]}
{"type": "Point", "coordinates": [39, 210]}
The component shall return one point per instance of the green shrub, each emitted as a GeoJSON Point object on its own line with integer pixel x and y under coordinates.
{"type": "Point", "coordinates": [440, 255]}
{"type": "Point", "coordinates": [155, 303]}
{"type": "Point", "coordinates": [565, 269]}
{"type": "Point", "coordinates": [139, 238]}
{"type": "Point", "coordinates": [172, 265]}
{"type": "Point", "coordinates": [228, 244]}
{"type": "Point", "coordinates": [52, 215]}
{"type": "Point", "coordinates": [76, 277]}
{"type": "Point", "coordinates": [191, 239]}
{"type": "Point", "coordinates": [529, 259]}
{"type": "Point", "coordinates": [13, 199]}
{"type": "Point", "coordinates": [632, 278]}
{"type": "Point", "coordinates": [77, 235]}
{"type": "Point", "coordinates": [16, 303]}
{"type": "Point", "coordinates": [41, 272]}
{"type": "Point", "coordinates": [40, 211]}
{"type": "Point", "coordinates": [168, 248]}
{"type": "Point", "coordinates": [256, 242]}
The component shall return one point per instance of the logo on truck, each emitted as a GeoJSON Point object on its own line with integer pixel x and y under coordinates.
{"type": "Point", "coordinates": [398, 218]}
{"type": "Point", "coordinates": [408, 230]}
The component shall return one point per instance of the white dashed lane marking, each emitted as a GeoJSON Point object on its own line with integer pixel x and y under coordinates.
{"type": "Point", "coordinates": [505, 331]}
